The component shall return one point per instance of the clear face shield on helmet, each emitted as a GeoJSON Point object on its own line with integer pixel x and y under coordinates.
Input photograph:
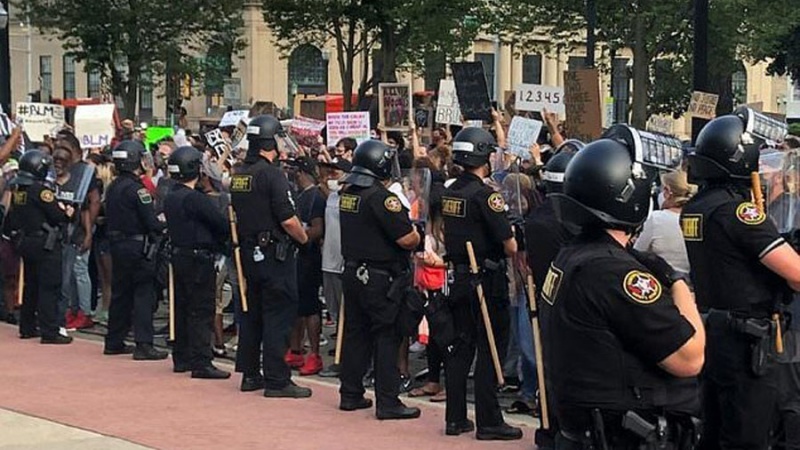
{"type": "Point", "coordinates": [761, 126]}
{"type": "Point", "coordinates": [287, 146]}
{"type": "Point", "coordinates": [780, 175]}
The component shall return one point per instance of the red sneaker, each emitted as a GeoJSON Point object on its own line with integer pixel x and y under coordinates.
{"type": "Point", "coordinates": [82, 321]}
{"type": "Point", "coordinates": [312, 366]}
{"type": "Point", "coordinates": [70, 320]}
{"type": "Point", "coordinates": [294, 360]}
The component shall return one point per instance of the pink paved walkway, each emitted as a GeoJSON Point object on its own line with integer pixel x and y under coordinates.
{"type": "Point", "coordinates": [145, 403]}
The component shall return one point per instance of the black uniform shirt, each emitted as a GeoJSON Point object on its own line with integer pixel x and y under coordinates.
{"type": "Point", "coordinates": [129, 207]}
{"type": "Point", "coordinates": [726, 236]}
{"type": "Point", "coordinates": [608, 322]}
{"type": "Point", "coordinates": [474, 212]}
{"type": "Point", "coordinates": [262, 198]}
{"type": "Point", "coordinates": [372, 220]}
{"type": "Point", "coordinates": [31, 207]}
{"type": "Point", "coordinates": [193, 221]}
{"type": "Point", "coordinates": [545, 236]}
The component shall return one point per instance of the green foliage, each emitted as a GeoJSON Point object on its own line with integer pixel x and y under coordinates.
{"type": "Point", "coordinates": [124, 39]}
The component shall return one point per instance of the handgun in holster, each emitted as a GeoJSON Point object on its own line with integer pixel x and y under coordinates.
{"type": "Point", "coordinates": [599, 439]}
{"type": "Point", "coordinates": [654, 435]}
{"type": "Point", "coordinates": [52, 236]}
{"type": "Point", "coordinates": [150, 248]}
{"type": "Point", "coordinates": [760, 332]}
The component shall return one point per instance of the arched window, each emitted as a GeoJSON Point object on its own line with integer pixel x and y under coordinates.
{"type": "Point", "coordinates": [739, 86]}
{"type": "Point", "coordinates": [308, 72]}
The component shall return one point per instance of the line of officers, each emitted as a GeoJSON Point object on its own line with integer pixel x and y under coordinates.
{"type": "Point", "coordinates": [623, 338]}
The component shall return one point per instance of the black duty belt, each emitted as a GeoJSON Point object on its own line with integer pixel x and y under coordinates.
{"type": "Point", "coordinates": [118, 237]}
{"type": "Point", "coordinates": [752, 324]}
{"type": "Point", "coordinates": [488, 266]}
{"type": "Point", "coordinates": [383, 268]}
{"type": "Point", "coordinates": [193, 252]}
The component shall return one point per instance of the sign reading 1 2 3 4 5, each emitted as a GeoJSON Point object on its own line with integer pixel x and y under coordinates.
{"type": "Point", "coordinates": [535, 97]}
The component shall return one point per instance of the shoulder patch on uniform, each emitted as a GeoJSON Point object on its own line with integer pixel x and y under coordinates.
{"type": "Point", "coordinates": [241, 183]}
{"type": "Point", "coordinates": [144, 196]}
{"type": "Point", "coordinates": [692, 227]}
{"type": "Point", "coordinates": [551, 284]}
{"type": "Point", "coordinates": [20, 198]}
{"type": "Point", "coordinates": [349, 203]}
{"type": "Point", "coordinates": [454, 207]}
{"type": "Point", "coordinates": [496, 202]}
{"type": "Point", "coordinates": [642, 287]}
{"type": "Point", "coordinates": [749, 214]}
{"type": "Point", "coordinates": [393, 204]}
{"type": "Point", "coordinates": [47, 196]}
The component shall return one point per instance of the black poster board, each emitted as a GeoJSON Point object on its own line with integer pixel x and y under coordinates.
{"type": "Point", "coordinates": [473, 94]}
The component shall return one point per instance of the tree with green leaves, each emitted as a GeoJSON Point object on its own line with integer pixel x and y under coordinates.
{"type": "Point", "coordinates": [405, 32]}
{"type": "Point", "coordinates": [130, 41]}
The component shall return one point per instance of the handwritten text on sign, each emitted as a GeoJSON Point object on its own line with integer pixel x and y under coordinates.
{"type": "Point", "coordinates": [535, 97]}
{"type": "Point", "coordinates": [703, 105]}
{"type": "Point", "coordinates": [522, 134]}
{"type": "Point", "coordinates": [582, 102]}
{"type": "Point", "coordinates": [40, 119]}
{"type": "Point", "coordinates": [348, 124]}
{"type": "Point", "coordinates": [447, 109]}
{"type": "Point", "coordinates": [94, 125]}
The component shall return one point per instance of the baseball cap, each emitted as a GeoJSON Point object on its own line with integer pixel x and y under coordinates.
{"type": "Point", "coordinates": [339, 164]}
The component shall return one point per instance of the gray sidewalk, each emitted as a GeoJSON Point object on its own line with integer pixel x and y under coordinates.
{"type": "Point", "coordinates": [22, 432]}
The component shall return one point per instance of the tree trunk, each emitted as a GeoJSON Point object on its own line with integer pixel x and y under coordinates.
{"type": "Point", "coordinates": [721, 85]}
{"type": "Point", "coordinates": [389, 56]}
{"type": "Point", "coordinates": [345, 57]}
{"type": "Point", "coordinates": [130, 95]}
{"type": "Point", "coordinates": [641, 76]}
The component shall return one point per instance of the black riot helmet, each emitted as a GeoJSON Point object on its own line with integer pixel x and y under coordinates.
{"type": "Point", "coordinates": [724, 151]}
{"type": "Point", "coordinates": [372, 160]}
{"type": "Point", "coordinates": [34, 165]}
{"type": "Point", "coordinates": [184, 163]}
{"type": "Point", "coordinates": [554, 170]}
{"type": "Point", "coordinates": [262, 134]}
{"type": "Point", "coordinates": [472, 147]}
{"type": "Point", "coordinates": [604, 188]}
{"type": "Point", "coordinates": [127, 156]}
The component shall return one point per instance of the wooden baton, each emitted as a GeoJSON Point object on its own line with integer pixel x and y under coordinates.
{"type": "Point", "coordinates": [21, 282]}
{"type": "Point", "coordinates": [537, 346]}
{"type": "Point", "coordinates": [337, 358]}
{"type": "Point", "coordinates": [487, 321]}
{"type": "Point", "coordinates": [758, 199]}
{"type": "Point", "coordinates": [237, 258]}
{"type": "Point", "coordinates": [171, 293]}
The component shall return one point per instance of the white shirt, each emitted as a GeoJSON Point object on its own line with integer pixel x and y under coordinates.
{"type": "Point", "coordinates": [662, 235]}
{"type": "Point", "coordinates": [332, 259]}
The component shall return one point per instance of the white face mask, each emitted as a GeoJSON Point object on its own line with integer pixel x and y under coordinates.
{"type": "Point", "coordinates": [661, 199]}
{"type": "Point", "coordinates": [334, 186]}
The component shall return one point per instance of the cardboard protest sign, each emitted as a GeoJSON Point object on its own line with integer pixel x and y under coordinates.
{"type": "Point", "coordinates": [473, 94]}
{"type": "Point", "coordinates": [306, 131]}
{"type": "Point", "coordinates": [155, 134]}
{"type": "Point", "coordinates": [535, 97]}
{"type": "Point", "coordinates": [40, 119]}
{"type": "Point", "coordinates": [94, 125]}
{"type": "Point", "coordinates": [239, 134]}
{"type": "Point", "coordinates": [447, 110]}
{"type": "Point", "coordinates": [659, 124]}
{"type": "Point", "coordinates": [348, 124]}
{"type": "Point", "coordinates": [231, 118]}
{"type": "Point", "coordinates": [522, 134]}
{"type": "Point", "coordinates": [395, 106]}
{"type": "Point", "coordinates": [703, 105]}
{"type": "Point", "coordinates": [582, 101]}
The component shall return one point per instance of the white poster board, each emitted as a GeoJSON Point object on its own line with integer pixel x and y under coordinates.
{"type": "Point", "coordinates": [347, 124]}
{"type": "Point", "coordinates": [535, 97]}
{"type": "Point", "coordinates": [231, 118]}
{"type": "Point", "coordinates": [447, 110]}
{"type": "Point", "coordinates": [522, 134]}
{"type": "Point", "coordinates": [40, 119]}
{"type": "Point", "coordinates": [94, 125]}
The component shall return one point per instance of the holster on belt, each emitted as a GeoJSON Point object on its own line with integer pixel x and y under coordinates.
{"type": "Point", "coordinates": [52, 236]}
{"type": "Point", "coordinates": [150, 248]}
{"type": "Point", "coordinates": [760, 333]}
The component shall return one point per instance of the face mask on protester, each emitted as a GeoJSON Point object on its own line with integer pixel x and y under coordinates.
{"type": "Point", "coordinates": [334, 186]}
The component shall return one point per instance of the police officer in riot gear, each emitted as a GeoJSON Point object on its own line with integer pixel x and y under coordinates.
{"type": "Point", "coordinates": [545, 236]}
{"type": "Point", "coordinates": [740, 268]}
{"type": "Point", "coordinates": [269, 233]}
{"type": "Point", "coordinates": [197, 231]}
{"type": "Point", "coordinates": [35, 221]}
{"type": "Point", "coordinates": [377, 237]}
{"type": "Point", "coordinates": [625, 337]}
{"type": "Point", "coordinates": [134, 231]}
{"type": "Point", "coordinates": [474, 213]}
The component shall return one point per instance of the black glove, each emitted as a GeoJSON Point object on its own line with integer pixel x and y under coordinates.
{"type": "Point", "coordinates": [420, 227]}
{"type": "Point", "coordinates": [661, 269]}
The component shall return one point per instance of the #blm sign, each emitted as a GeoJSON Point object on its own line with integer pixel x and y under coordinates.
{"type": "Point", "coordinates": [473, 94]}
{"type": "Point", "coordinates": [582, 104]}
{"type": "Point", "coordinates": [535, 97]}
{"type": "Point", "coordinates": [522, 134]}
{"type": "Point", "coordinates": [94, 125]}
{"type": "Point", "coordinates": [703, 105]}
{"type": "Point", "coordinates": [395, 106]}
{"type": "Point", "coordinates": [348, 124]}
{"type": "Point", "coordinates": [447, 110]}
{"type": "Point", "coordinates": [40, 119]}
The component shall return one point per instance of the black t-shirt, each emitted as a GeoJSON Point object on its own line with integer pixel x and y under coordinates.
{"type": "Point", "coordinates": [262, 198]}
{"type": "Point", "coordinates": [607, 322]}
{"type": "Point", "coordinates": [310, 206]}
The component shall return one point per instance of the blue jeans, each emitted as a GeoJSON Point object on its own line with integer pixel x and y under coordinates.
{"type": "Point", "coordinates": [528, 359]}
{"type": "Point", "coordinates": [76, 286]}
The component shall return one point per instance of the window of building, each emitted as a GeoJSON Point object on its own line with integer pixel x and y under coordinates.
{"type": "Point", "coordinates": [46, 77]}
{"type": "Point", "coordinates": [434, 70]}
{"type": "Point", "coordinates": [93, 83]}
{"type": "Point", "coordinates": [487, 59]}
{"type": "Point", "coordinates": [532, 69]}
{"type": "Point", "coordinates": [739, 87]}
{"type": "Point", "coordinates": [69, 77]}
{"type": "Point", "coordinates": [620, 90]}
{"type": "Point", "coordinates": [146, 95]}
{"type": "Point", "coordinates": [576, 62]}
{"type": "Point", "coordinates": [308, 72]}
